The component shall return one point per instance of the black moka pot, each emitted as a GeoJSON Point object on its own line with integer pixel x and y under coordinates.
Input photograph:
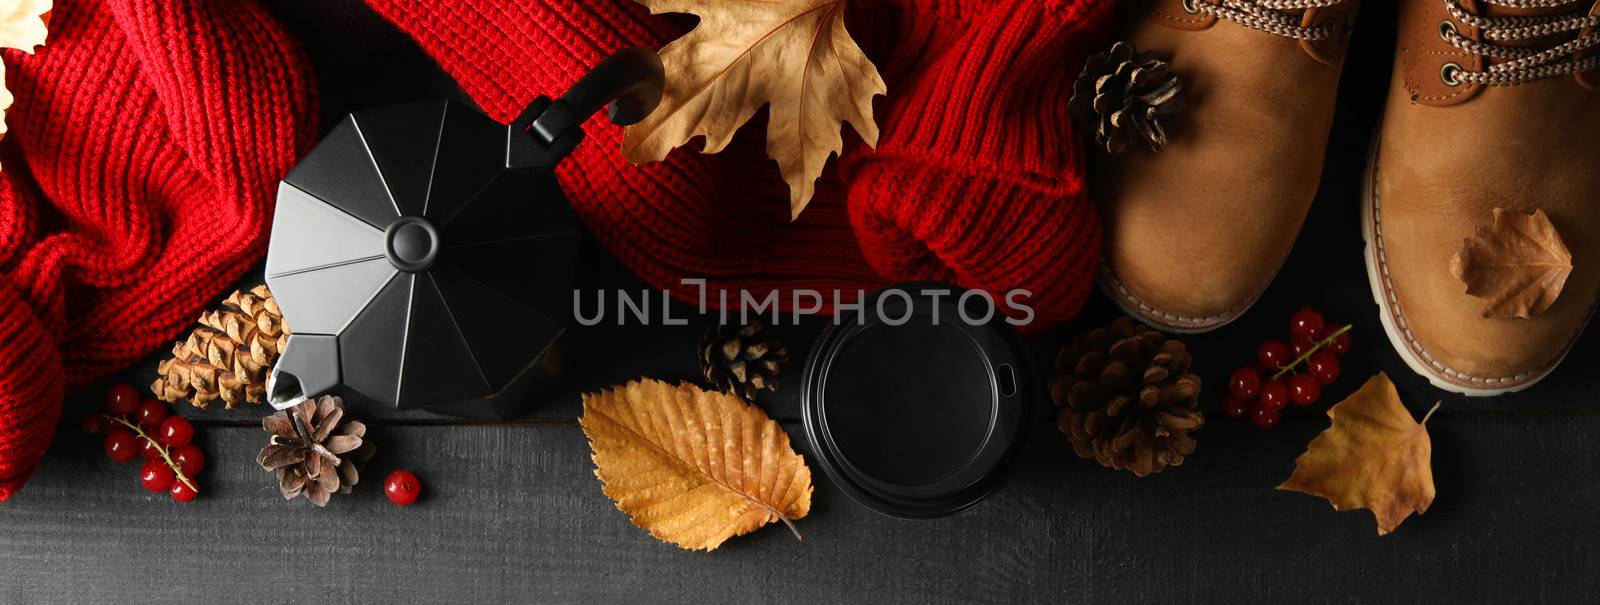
{"type": "Point", "coordinates": [423, 254]}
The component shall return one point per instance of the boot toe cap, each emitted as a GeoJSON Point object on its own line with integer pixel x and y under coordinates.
{"type": "Point", "coordinates": [1181, 293]}
{"type": "Point", "coordinates": [1460, 350]}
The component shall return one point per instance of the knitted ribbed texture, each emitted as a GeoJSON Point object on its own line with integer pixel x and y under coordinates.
{"type": "Point", "coordinates": [30, 390]}
{"type": "Point", "coordinates": [977, 182]}
{"type": "Point", "coordinates": [145, 148]}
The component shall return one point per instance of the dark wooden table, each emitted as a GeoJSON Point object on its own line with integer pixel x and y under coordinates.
{"type": "Point", "coordinates": [513, 509]}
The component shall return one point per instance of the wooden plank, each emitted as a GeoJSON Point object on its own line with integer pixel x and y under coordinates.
{"type": "Point", "coordinates": [515, 511]}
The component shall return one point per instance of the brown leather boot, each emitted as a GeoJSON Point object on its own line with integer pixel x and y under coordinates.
{"type": "Point", "coordinates": [1490, 107]}
{"type": "Point", "coordinates": [1195, 233]}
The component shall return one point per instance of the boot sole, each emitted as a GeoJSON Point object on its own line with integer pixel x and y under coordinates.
{"type": "Point", "coordinates": [1131, 305]}
{"type": "Point", "coordinates": [1399, 337]}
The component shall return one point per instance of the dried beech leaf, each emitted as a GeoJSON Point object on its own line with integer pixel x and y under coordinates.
{"type": "Point", "coordinates": [1517, 266]}
{"type": "Point", "coordinates": [22, 26]}
{"type": "Point", "coordinates": [1374, 457]}
{"type": "Point", "coordinates": [693, 467]}
{"type": "Point", "coordinates": [793, 54]}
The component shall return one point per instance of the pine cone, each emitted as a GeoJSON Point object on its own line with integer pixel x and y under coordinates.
{"type": "Point", "coordinates": [228, 355]}
{"type": "Point", "coordinates": [314, 449]}
{"type": "Point", "coordinates": [1123, 92]}
{"type": "Point", "coordinates": [1126, 397]}
{"type": "Point", "coordinates": [742, 360]}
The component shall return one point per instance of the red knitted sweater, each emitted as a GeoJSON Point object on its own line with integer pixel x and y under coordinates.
{"type": "Point", "coordinates": [146, 142]}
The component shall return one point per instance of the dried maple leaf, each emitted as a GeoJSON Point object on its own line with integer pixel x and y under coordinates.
{"type": "Point", "coordinates": [693, 467]}
{"type": "Point", "coordinates": [1517, 265]}
{"type": "Point", "coordinates": [22, 26]}
{"type": "Point", "coordinates": [794, 54]}
{"type": "Point", "coordinates": [1374, 457]}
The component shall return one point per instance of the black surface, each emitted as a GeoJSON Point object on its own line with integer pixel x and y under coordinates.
{"type": "Point", "coordinates": [512, 511]}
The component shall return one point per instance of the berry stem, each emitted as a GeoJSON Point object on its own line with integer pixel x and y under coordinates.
{"type": "Point", "coordinates": [1316, 346]}
{"type": "Point", "coordinates": [161, 449]}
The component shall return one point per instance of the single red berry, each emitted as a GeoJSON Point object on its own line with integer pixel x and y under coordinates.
{"type": "Point", "coordinates": [190, 459]}
{"type": "Point", "coordinates": [176, 431]}
{"type": "Point", "coordinates": [1274, 395]}
{"type": "Point", "coordinates": [1273, 354]}
{"type": "Point", "coordinates": [1323, 365]}
{"type": "Point", "coordinates": [122, 399]}
{"type": "Point", "coordinates": [156, 476]}
{"type": "Point", "coordinates": [181, 492]}
{"type": "Point", "coordinates": [121, 445]}
{"type": "Point", "coordinates": [150, 415]}
{"type": "Point", "coordinates": [94, 424]}
{"type": "Point", "coordinates": [1245, 383]}
{"type": "Point", "coordinates": [1299, 346]}
{"type": "Point", "coordinates": [1304, 389]}
{"type": "Point", "coordinates": [1340, 343]}
{"type": "Point", "coordinates": [402, 488]}
{"type": "Point", "coordinates": [149, 450]}
{"type": "Point", "coordinates": [1236, 408]}
{"type": "Point", "coordinates": [1266, 417]}
{"type": "Point", "coordinates": [1305, 323]}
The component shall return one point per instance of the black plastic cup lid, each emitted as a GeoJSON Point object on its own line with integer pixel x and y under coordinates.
{"type": "Point", "coordinates": [914, 408]}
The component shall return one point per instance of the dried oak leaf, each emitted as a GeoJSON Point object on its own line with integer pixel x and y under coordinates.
{"type": "Point", "coordinates": [22, 26]}
{"type": "Point", "coordinates": [794, 54]}
{"type": "Point", "coordinates": [693, 467]}
{"type": "Point", "coordinates": [1517, 265]}
{"type": "Point", "coordinates": [1374, 457]}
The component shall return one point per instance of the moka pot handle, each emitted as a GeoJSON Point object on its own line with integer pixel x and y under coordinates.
{"type": "Point", "coordinates": [630, 81]}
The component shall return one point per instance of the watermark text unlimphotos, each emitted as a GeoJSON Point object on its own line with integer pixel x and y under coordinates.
{"type": "Point", "coordinates": [892, 306]}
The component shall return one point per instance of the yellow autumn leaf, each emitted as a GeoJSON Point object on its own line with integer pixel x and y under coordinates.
{"type": "Point", "coordinates": [1374, 456]}
{"type": "Point", "coordinates": [22, 26]}
{"type": "Point", "coordinates": [693, 467]}
{"type": "Point", "coordinates": [793, 54]}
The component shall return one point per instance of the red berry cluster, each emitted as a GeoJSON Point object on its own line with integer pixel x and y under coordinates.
{"type": "Point", "coordinates": [137, 428]}
{"type": "Point", "coordinates": [1316, 345]}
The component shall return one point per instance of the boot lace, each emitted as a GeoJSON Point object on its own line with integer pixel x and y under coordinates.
{"type": "Point", "coordinates": [1520, 64]}
{"type": "Point", "coordinates": [1271, 16]}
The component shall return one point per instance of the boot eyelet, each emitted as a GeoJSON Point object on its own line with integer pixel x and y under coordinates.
{"type": "Point", "coordinates": [1447, 30]}
{"type": "Point", "coordinates": [1448, 73]}
{"type": "Point", "coordinates": [1189, 7]}
{"type": "Point", "coordinates": [1330, 26]}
